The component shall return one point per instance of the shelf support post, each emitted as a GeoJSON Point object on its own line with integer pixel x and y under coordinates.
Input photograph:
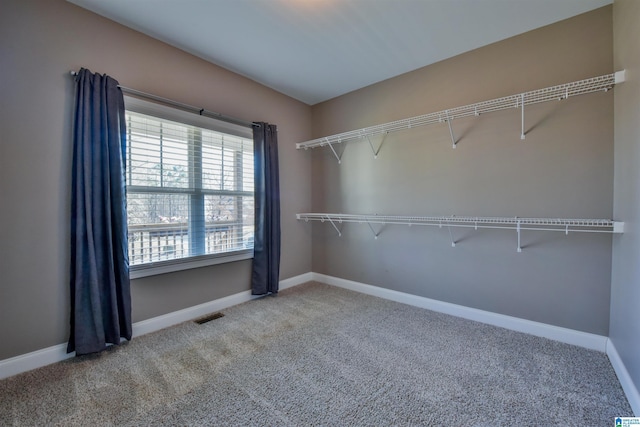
{"type": "Point", "coordinates": [518, 230]}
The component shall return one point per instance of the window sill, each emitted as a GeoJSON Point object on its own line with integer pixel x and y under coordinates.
{"type": "Point", "coordinates": [170, 266]}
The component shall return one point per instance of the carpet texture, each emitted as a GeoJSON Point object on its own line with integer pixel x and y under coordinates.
{"type": "Point", "coordinates": [320, 355]}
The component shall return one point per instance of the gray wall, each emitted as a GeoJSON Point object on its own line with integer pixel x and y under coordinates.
{"type": "Point", "coordinates": [564, 168]}
{"type": "Point", "coordinates": [625, 287]}
{"type": "Point", "coordinates": [40, 41]}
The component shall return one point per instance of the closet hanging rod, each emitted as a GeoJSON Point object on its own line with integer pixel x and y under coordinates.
{"type": "Point", "coordinates": [535, 224]}
{"type": "Point", "coordinates": [182, 106]}
{"type": "Point", "coordinates": [559, 92]}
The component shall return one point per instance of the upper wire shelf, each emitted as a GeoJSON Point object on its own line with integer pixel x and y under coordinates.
{"type": "Point", "coordinates": [563, 91]}
{"type": "Point", "coordinates": [565, 225]}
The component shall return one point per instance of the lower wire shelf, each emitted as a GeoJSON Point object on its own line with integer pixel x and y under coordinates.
{"type": "Point", "coordinates": [518, 224]}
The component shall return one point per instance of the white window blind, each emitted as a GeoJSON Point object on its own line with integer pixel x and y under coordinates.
{"type": "Point", "coordinates": [189, 187]}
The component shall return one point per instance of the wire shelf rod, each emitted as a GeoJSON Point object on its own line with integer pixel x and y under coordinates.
{"type": "Point", "coordinates": [554, 93]}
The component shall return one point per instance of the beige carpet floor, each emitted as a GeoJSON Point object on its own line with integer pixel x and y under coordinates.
{"type": "Point", "coordinates": [320, 355]}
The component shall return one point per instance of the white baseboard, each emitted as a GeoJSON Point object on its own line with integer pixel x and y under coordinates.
{"type": "Point", "coordinates": [633, 396]}
{"type": "Point", "coordinates": [569, 336]}
{"type": "Point", "coordinates": [35, 359]}
{"type": "Point", "coordinates": [57, 353]}
{"type": "Point", "coordinates": [295, 281]}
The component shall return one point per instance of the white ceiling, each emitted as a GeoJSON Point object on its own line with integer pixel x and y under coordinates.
{"type": "Point", "coordinates": [314, 50]}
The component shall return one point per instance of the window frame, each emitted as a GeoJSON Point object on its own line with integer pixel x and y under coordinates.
{"type": "Point", "coordinates": [160, 111]}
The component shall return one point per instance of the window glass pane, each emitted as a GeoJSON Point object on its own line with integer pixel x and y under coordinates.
{"type": "Point", "coordinates": [248, 224]}
{"type": "Point", "coordinates": [158, 227]}
{"type": "Point", "coordinates": [220, 208]}
{"type": "Point", "coordinates": [235, 215]}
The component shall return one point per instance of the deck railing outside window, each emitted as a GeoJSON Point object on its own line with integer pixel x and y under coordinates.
{"type": "Point", "coordinates": [159, 242]}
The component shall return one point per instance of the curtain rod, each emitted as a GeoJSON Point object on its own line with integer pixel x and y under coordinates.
{"type": "Point", "coordinates": [187, 107]}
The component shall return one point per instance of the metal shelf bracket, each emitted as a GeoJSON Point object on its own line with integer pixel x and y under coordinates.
{"type": "Point", "coordinates": [333, 150]}
{"type": "Point", "coordinates": [453, 138]}
{"type": "Point", "coordinates": [373, 150]}
{"type": "Point", "coordinates": [332, 223]}
{"type": "Point", "coordinates": [375, 234]}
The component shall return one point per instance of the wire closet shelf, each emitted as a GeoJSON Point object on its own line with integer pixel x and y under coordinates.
{"type": "Point", "coordinates": [554, 93]}
{"type": "Point", "coordinates": [518, 224]}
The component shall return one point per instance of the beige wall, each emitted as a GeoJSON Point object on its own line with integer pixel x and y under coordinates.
{"type": "Point", "coordinates": [625, 285]}
{"type": "Point", "coordinates": [564, 168]}
{"type": "Point", "coordinates": [40, 42]}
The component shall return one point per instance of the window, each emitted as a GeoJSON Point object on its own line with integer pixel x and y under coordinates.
{"type": "Point", "coordinates": [189, 189]}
